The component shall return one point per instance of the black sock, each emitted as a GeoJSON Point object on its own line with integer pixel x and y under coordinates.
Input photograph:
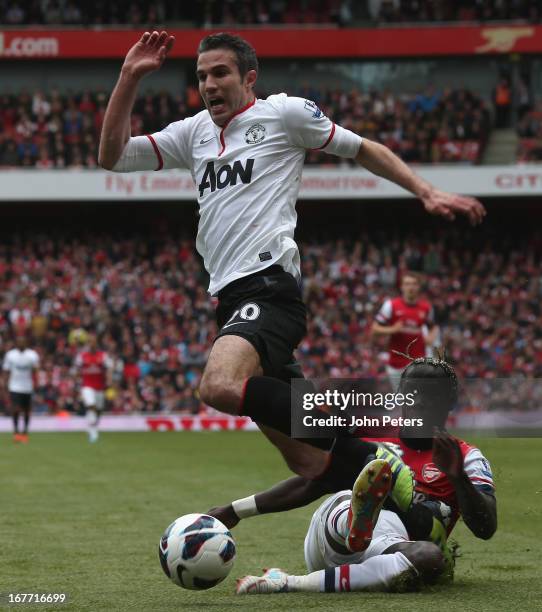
{"type": "Point", "coordinates": [268, 401]}
{"type": "Point", "coordinates": [26, 421]}
{"type": "Point", "coordinates": [348, 457]}
{"type": "Point", "coordinates": [356, 451]}
{"type": "Point", "coordinates": [340, 473]}
{"type": "Point", "coordinates": [16, 423]}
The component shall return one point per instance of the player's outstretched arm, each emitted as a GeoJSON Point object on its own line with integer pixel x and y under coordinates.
{"type": "Point", "coordinates": [386, 330]}
{"type": "Point", "coordinates": [379, 160]}
{"type": "Point", "coordinates": [147, 55]}
{"type": "Point", "coordinates": [478, 509]}
{"type": "Point", "coordinates": [289, 494]}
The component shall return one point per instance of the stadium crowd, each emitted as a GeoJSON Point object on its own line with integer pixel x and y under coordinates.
{"type": "Point", "coordinates": [200, 13]}
{"type": "Point", "coordinates": [53, 130]}
{"type": "Point", "coordinates": [145, 297]}
{"type": "Point", "coordinates": [261, 12]}
{"type": "Point", "coordinates": [529, 130]}
{"type": "Point", "coordinates": [409, 11]}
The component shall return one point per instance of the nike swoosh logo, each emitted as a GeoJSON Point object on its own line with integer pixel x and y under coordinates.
{"type": "Point", "coordinates": [236, 323]}
{"type": "Point", "coordinates": [206, 141]}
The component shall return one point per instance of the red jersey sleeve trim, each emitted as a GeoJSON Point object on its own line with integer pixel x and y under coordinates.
{"type": "Point", "coordinates": [330, 138]}
{"type": "Point", "coordinates": [157, 151]}
{"type": "Point", "coordinates": [243, 395]}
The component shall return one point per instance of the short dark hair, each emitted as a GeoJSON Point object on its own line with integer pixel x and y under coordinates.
{"type": "Point", "coordinates": [245, 55]}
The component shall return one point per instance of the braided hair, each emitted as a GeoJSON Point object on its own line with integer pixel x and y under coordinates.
{"type": "Point", "coordinates": [433, 378]}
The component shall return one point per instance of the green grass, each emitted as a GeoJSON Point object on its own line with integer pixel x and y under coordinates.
{"type": "Point", "coordinates": [86, 520]}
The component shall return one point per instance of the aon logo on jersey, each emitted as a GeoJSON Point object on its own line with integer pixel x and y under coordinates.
{"type": "Point", "coordinates": [225, 176]}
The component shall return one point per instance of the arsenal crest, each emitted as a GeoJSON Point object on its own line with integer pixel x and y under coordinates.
{"type": "Point", "coordinates": [430, 472]}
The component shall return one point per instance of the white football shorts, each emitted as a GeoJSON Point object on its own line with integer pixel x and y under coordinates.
{"type": "Point", "coordinates": [92, 398]}
{"type": "Point", "coordinates": [320, 555]}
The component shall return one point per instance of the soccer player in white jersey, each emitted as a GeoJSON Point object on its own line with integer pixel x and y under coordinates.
{"type": "Point", "coordinates": [19, 366]}
{"type": "Point", "coordinates": [246, 157]}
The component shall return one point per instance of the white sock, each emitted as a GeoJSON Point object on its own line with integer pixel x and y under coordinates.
{"type": "Point", "coordinates": [311, 583]}
{"type": "Point", "coordinates": [376, 574]}
{"type": "Point", "coordinates": [92, 425]}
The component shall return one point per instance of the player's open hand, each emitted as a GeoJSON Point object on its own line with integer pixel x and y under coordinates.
{"type": "Point", "coordinates": [447, 205]}
{"type": "Point", "coordinates": [148, 54]}
{"type": "Point", "coordinates": [226, 515]}
{"type": "Point", "coordinates": [447, 455]}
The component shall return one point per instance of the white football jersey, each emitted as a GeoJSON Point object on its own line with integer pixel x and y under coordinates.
{"type": "Point", "coordinates": [20, 365]}
{"type": "Point", "coordinates": [247, 176]}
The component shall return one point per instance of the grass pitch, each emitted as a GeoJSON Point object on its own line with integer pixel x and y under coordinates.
{"type": "Point", "coordinates": [86, 520]}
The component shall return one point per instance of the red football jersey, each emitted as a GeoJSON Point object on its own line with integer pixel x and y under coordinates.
{"type": "Point", "coordinates": [432, 484]}
{"type": "Point", "coordinates": [93, 367]}
{"type": "Point", "coordinates": [414, 317]}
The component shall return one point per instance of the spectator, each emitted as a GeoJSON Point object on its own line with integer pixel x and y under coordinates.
{"type": "Point", "coordinates": [503, 104]}
{"type": "Point", "coordinates": [44, 161]}
{"type": "Point", "coordinates": [15, 15]}
{"type": "Point", "coordinates": [52, 14]}
{"type": "Point", "coordinates": [530, 132]}
{"type": "Point", "coordinates": [72, 14]}
{"type": "Point", "coordinates": [8, 154]}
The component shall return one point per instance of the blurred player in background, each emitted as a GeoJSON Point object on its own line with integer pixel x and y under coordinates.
{"type": "Point", "coordinates": [20, 364]}
{"type": "Point", "coordinates": [246, 156]}
{"type": "Point", "coordinates": [408, 321]}
{"type": "Point", "coordinates": [94, 368]}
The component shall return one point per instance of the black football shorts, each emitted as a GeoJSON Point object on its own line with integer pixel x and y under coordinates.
{"type": "Point", "coordinates": [21, 401]}
{"type": "Point", "coordinates": [266, 309]}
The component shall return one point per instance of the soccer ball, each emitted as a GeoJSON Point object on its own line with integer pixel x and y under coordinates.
{"type": "Point", "coordinates": [197, 551]}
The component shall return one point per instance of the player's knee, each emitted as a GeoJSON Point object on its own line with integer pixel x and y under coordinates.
{"type": "Point", "coordinates": [211, 392]}
{"type": "Point", "coordinates": [427, 558]}
{"type": "Point", "coordinates": [220, 393]}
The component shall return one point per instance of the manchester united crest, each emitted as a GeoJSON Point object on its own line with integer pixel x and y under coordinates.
{"type": "Point", "coordinates": [255, 134]}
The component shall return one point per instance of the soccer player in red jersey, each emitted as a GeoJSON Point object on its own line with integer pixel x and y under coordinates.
{"type": "Point", "coordinates": [452, 477]}
{"type": "Point", "coordinates": [408, 321]}
{"type": "Point", "coordinates": [95, 370]}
